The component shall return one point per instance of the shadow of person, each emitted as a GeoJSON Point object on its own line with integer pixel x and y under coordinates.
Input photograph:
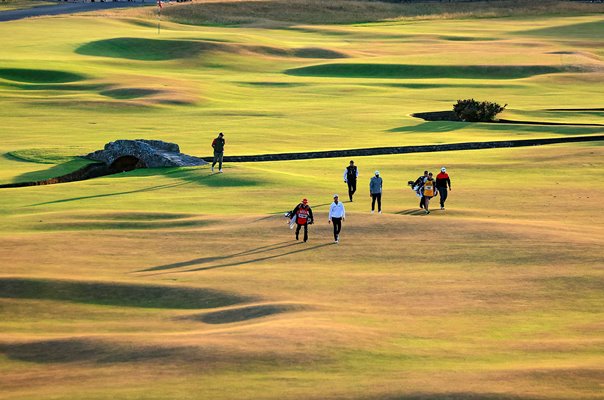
{"type": "Point", "coordinates": [265, 258]}
{"type": "Point", "coordinates": [205, 260]}
{"type": "Point", "coordinates": [411, 211]}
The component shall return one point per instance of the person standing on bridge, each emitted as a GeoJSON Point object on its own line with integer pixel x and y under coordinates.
{"type": "Point", "coordinates": [351, 173]}
{"type": "Point", "coordinates": [442, 181]}
{"type": "Point", "coordinates": [375, 191]}
{"type": "Point", "coordinates": [218, 145]}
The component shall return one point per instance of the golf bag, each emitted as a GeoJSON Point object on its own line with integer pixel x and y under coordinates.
{"type": "Point", "coordinates": [291, 219]}
{"type": "Point", "coordinates": [415, 186]}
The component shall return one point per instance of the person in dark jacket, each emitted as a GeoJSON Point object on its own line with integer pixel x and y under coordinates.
{"type": "Point", "coordinates": [351, 173]}
{"type": "Point", "coordinates": [442, 182]}
{"type": "Point", "coordinates": [303, 214]}
{"type": "Point", "coordinates": [218, 145]}
{"type": "Point", "coordinates": [375, 191]}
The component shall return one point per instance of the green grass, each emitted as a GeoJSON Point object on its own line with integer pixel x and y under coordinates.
{"type": "Point", "coordinates": [145, 49]}
{"type": "Point", "coordinates": [176, 283]}
{"type": "Point", "coordinates": [398, 71]}
{"type": "Point", "coordinates": [38, 75]}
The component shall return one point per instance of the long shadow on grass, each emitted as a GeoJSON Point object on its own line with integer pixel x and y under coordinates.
{"type": "Point", "coordinates": [244, 313]}
{"type": "Point", "coordinates": [188, 176]}
{"type": "Point", "coordinates": [205, 260]}
{"type": "Point", "coordinates": [411, 211]}
{"type": "Point", "coordinates": [148, 189]}
{"type": "Point", "coordinates": [54, 171]}
{"type": "Point", "coordinates": [117, 294]}
{"type": "Point", "coordinates": [234, 264]}
{"type": "Point", "coordinates": [432, 127]}
{"type": "Point", "coordinates": [93, 350]}
{"type": "Point", "coordinates": [259, 259]}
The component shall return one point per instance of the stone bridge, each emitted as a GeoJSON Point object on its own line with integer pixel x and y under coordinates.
{"type": "Point", "coordinates": [126, 155]}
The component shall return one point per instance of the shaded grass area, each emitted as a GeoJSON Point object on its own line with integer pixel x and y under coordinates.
{"type": "Point", "coordinates": [39, 75]}
{"type": "Point", "coordinates": [119, 225]}
{"type": "Point", "coordinates": [117, 294]}
{"type": "Point", "coordinates": [86, 350]}
{"type": "Point", "coordinates": [59, 87]}
{"type": "Point", "coordinates": [147, 49]}
{"type": "Point", "coordinates": [129, 93]}
{"type": "Point", "coordinates": [163, 50]}
{"type": "Point", "coordinates": [55, 171]}
{"type": "Point", "coordinates": [107, 352]}
{"type": "Point", "coordinates": [406, 71]}
{"type": "Point", "coordinates": [246, 313]}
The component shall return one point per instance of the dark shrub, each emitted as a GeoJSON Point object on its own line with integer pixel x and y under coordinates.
{"type": "Point", "coordinates": [470, 110]}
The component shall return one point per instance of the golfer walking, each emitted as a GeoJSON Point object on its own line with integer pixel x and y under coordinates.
{"type": "Point", "coordinates": [304, 217]}
{"type": "Point", "coordinates": [337, 214]}
{"type": "Point", "coordinates": [375, 191]}
{"type": "Point", "coordinates": [442, 181]}
{"type": "Point", "coordinates": [429, 191]}
{"type": "Point", "coordinates": [218, 145]}
{"type": "Point", "coordinates": [351, 173]}
{"type": "Point", "coordinates": [417, 186]}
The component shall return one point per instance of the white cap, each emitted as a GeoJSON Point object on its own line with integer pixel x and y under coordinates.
{"type": "Point", "coordinates": [443, 169]}
{"type": "Point", "coordinates": [335, 195]}
{"type": "Point", "coordinates": [377, 172]}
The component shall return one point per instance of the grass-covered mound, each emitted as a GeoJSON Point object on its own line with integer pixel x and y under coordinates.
{"type": "Point", "coordinates": [406, 71]}
{"type": "Point", "coordinates": [39, 75]}
{"type": "Point", "coordinates": [162, 50]}
{"type": "Point", "coordinates": [146, 49]}
{"type": "Point", "coordinates": [129, 93]}
{"type": "Point", "coordinates": [117, 294]}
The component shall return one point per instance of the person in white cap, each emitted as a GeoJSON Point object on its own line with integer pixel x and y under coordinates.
{"type": "Point", "coordinates": [337, 214]}
{"type": "Point", "coordinates": [442, 181]}
{"type": "Point", "coordinates": [375, 191]}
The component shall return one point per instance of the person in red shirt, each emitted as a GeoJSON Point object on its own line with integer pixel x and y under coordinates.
{"type": "Point", "coordinates": [304, 217]}
{"type": "Point", "coordinates": [442, 182]}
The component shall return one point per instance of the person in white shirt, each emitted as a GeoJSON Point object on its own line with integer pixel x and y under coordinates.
{"type": "Point", "coordinates": [337, 214]}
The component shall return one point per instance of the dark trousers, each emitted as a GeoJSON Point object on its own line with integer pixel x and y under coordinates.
{"type": "Point", "coordinates": [305, 231]}
{"type": "Point", "coordinates": [218, 159]}
{"type": "Point", "coordinates": [378, 197]}
{"type": "Point", "coordinates": [352, 187]}
{"type": "Point", "coordinates": [421, 202]}
{"type": "Point", "coordinates": [442, 191]}
{"type": "Point", "coordinates": [337, 227]}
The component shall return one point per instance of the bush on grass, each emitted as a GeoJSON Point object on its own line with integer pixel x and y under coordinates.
{"type": "Point", "coordinates": [471, 110]}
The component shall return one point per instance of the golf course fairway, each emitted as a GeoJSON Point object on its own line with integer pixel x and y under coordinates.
{"type": "Point", "coordinates": [180, 283]}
